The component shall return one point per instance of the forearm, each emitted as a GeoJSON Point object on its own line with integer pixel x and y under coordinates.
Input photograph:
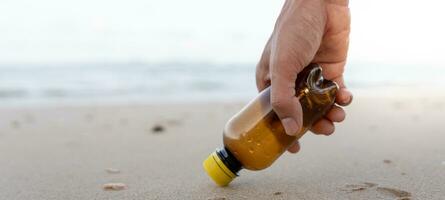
{"type": "Point", "coordinates": [338, 2]}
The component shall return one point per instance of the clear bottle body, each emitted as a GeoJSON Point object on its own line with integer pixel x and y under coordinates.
{"type": "Point", "coordinates": [255, 135]}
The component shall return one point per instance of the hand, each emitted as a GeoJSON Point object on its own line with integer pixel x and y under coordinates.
{"type": "Point", "coordinates": [307, 31]}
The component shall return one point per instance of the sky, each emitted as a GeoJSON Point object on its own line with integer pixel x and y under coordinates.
{"type": "Point", "coordinates": [231, 31]}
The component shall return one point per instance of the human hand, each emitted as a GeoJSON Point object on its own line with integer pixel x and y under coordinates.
{"type": "Point", "coordinates": [307, 31]}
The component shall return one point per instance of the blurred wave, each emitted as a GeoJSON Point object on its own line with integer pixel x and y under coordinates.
{"type": "Point", "coordinates": [175, 81]}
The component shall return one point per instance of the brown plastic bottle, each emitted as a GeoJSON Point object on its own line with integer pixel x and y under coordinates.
{"type": "Point", "coordinates": [254, 138]}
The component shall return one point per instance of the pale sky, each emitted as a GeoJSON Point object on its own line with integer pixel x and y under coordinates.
{"type": "Point", "coordinates": [231, 31]}
{"type": "Point", "coordinates": [398, 31]}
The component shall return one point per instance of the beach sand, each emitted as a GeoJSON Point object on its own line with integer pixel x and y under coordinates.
{"type": "Point", "coordinates": [388, 148]}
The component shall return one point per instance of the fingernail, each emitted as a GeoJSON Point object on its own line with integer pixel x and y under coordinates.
{"type": "Point", "coordinates": [349, 102]}
{"type": "Point", "coordinates": [290, 126]}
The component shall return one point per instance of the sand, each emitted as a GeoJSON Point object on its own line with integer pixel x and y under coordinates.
{"type": "Point", "coordinates": [388, 148]}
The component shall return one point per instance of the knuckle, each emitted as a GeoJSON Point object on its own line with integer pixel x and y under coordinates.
{"type": "Point", "coordinates": [334, 71]}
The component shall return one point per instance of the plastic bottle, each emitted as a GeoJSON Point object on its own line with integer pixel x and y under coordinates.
{"type": "Point", "coordinates": [254, 138]}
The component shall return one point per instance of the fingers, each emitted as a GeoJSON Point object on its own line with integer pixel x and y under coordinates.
{"type": "Point", "coordinates": [336, 114]}
{"type": "Point", "coordinates": [344, 97]}
{"type": "Point", "coordinates": [323, 126]}
{"type": "Point", "coordinates": [334, 72]}
{"type": "Point", "coordinates": [294, 148]}
{"type": "Point", "coordinates": [283, 99]}
{"type": "Point", "coordinates": [326, 126]}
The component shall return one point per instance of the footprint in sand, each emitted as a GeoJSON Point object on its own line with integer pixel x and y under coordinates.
{"type": "Point", "coordinates": [358, 187]}
{"type": "Point", "coordinates": [394, 192]}
{"type": "Point", "coordinates": [388, 192]}
{"type": "Point", "coordinates": [217, 198]}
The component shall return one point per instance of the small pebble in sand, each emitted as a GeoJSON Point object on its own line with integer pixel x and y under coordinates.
{"type": "Point", "coordinates": [387, 161]}
{"type": "Point", "coordinates": [157, 129]}
{"type": "Point", "coordinates": [277, 193]}
{"type": "Point", "coordinates": [113, 171]}
{"type": "Point", "coordinates": [114, 186]}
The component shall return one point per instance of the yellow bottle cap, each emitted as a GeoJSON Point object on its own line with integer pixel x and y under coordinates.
{"type": "Point", "coordinates": [217, 170]}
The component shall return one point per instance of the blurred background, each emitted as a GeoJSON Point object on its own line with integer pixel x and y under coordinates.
{"type": "Point", "coordinates": [146, 50]}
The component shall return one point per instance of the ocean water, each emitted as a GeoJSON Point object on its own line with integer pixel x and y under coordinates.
{"type": "Point", "coordinates": [175, 81]}
{"type": "Point", "coordinates": [150, 50]}
{"type": "Point", "coordinates": [126, 81]}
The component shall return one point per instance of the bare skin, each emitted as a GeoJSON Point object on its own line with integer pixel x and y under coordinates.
{"type": "Point", "coordinates": [307, 31]}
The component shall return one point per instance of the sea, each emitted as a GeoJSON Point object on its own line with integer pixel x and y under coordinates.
{"type": "Point", "coordinates": [175, 81]}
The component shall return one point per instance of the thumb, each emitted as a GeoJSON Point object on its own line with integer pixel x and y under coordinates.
{"type": "Point", "coordinates": [283, 97]}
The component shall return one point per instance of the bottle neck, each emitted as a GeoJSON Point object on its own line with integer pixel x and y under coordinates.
{"type": "Point", "coordinates": [229, 160]}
